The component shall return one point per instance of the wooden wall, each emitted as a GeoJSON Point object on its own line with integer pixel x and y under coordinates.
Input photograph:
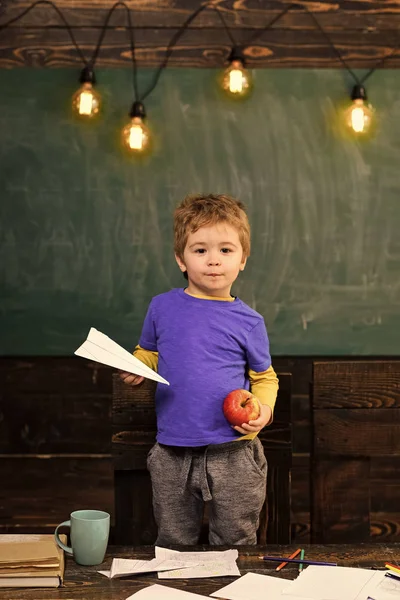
{"type": "Point", "coordinates": [55, 438]}
{"type": "Point", "coordinates": [55, 442]}
{"type": "Point", "coordinates": [47, 451]}
{"type": "Point", "coordinates": [363, 32]}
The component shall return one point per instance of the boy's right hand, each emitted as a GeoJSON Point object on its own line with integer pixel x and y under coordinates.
{"type": "Point", "coordinates": [130, 378]}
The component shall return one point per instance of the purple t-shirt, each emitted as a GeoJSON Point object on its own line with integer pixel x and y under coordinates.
{"type": "Point", "coordinates": [205, 348]}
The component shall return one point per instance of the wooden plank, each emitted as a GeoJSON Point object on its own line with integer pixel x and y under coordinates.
{"type": "Point", "coordinates": [302, 430]}
{"type": "Point", "coordinates": [197, 48]}
{"type": "Point", "coordinates": [84, 583]}
{"type": "Point", "coordinates": [130, 450]}
{"type": "Point", "coordinates": [385, 498]}
{"type": "Point", "coordinates": [340, 501]}
{"type": "Point", "coordinates": [42, 491]}
{"type": "Point", "coordinates": [300, 368]}
{"type": "Point", "coordinates": [354, 14]}
{"type": "Point", "coordinates": [133, 406]}
{"type": "Point", "coordinates": [70, 376]}
{"type": "Point", "coordinates": [49, 424]}
{"type": "Point", "coordinates": [385, 527]}
{"type": "Point", "coordinates": [300, 498]}
{"type": "Point", "coordinates": [358, 432]}
{"type": "Point", "coordinates": [134, 428]}
{"type": "Point", "coordinates": [356, 384]}
{"type": "Point", "coordinates": [63, 405]}
{"type": "Point", "coordinates": [134, 520]}
{"type": "Point", "coordinates": [277, 529]}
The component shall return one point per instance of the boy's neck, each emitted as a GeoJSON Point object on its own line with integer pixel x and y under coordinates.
{"type": "Point", "coordinates": [206, 297]}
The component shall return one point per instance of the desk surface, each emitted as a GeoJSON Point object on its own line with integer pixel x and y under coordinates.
{"type": "Point", "coordinates": [85, 583]}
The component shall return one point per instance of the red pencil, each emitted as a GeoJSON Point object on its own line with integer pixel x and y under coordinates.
{"type": "Point", "coordinates": [279, 567]}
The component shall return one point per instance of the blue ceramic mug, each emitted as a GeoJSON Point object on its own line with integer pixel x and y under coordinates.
{"type": "Point", "coordinates": [89, 536]}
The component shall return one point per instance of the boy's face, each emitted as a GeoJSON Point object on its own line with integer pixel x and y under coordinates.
{"type": "Point", "coordinates": [213, 257]}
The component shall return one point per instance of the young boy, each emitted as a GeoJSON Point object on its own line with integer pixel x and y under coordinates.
{"type": "Point", "coordinates": [207, 343]}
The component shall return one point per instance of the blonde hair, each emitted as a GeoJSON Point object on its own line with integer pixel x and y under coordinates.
{"type": "Point", "coordinates": [199, 210]}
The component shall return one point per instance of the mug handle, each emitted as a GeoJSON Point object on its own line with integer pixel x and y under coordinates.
{"type": "Point", "coordinates": [66, 549]}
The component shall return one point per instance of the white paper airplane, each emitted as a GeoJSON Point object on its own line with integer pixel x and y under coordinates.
{"type": "Point", "coordinates": [104, 350]}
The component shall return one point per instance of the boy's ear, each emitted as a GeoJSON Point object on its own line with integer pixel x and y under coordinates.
{"type": "Point", "coordinates": [243, 264]}
{"type": "Point", "coordinates": [181, 264]}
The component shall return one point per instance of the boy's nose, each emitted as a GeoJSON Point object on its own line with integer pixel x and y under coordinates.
{"type": "Point", "coordinates": [214, 260]}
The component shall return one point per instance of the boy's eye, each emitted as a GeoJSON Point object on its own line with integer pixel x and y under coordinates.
{"type": "Point", "coordinates": [200, 250]}
{"type": "Point", "coordinates": [226, 250]}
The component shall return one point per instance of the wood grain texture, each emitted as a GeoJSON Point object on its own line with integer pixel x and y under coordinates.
{"type": "Point", "coordinates": [356, 384]}
{"type": "Point", "coordinates": [353, 15]}
{"type": "Point", "coordinates": [356, 451]}
{"type": "Point", "coordinates": [300, 498]}
{"type": "Point", "coordinates": [363, 33]}
{"type": "Point", "coordinates": [84, 383]}
{"type": "Point", "coordinates": [357, 432]}
{"type": "Point", "coordinates": [41, 491]}
{"type": "Point", "coordinates": [63, 406]}
{"type": "Point", "coordinates": [340, 501]}
{"type": "Point", "coordinates": [84, 583]}
{"type": "Point", "coordinates": [134, 431]}
{"type": "Point", "coordinates": [197, 48]}
{"type": "Point", "coordinates": [55, 441]}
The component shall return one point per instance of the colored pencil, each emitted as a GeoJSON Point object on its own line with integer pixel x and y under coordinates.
{"type": "Point", "coordinates": [394, 568]}
{"type": "Point", "coordinates": [296, 561]}
{"type": "Point", "coordinates": [279, 567]}
{"type": "Point", "coordinates": [301, 557]}
{"type": "Point", "coordinates": [393, 576]}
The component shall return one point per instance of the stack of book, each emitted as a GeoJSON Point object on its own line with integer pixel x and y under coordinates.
{"type": "Point", "coordinates": [31, 560]}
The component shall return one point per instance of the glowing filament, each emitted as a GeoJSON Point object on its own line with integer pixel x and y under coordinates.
{"type": "Point", "coordinates": [136, 137]}
{"type": "Point", "coordinates": [236, 81]}
{"type": "Point", "coordinates": [85, 103]}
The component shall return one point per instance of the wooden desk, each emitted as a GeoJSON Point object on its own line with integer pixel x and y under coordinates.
{"type": "Point", "coordinates": [84, 583]}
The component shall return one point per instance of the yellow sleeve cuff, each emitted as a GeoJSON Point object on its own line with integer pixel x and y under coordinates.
{"type": "Point", "coordinates": [265, 386]}
{"type": "Point", "coordinates": [148, 357]}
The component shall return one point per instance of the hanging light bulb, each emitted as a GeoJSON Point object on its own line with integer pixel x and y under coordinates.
{"type": "Point", "coordinates": [86, 100]}
{"type": "Point", "coordinates": [359, 113]}
{"type": "Point", "coordinates": [236, 79]}
{"type": "Point", "coordinates": [135, 135]}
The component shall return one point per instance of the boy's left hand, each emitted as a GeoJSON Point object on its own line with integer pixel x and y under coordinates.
{"type": "Point", "coordinates": [257, 424]}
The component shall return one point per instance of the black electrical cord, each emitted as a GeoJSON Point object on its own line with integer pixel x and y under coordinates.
{"type": "Point", "coordinates": [332, 46]}
{"type": "Point", "coordinates": [279, 16]}
{"type": "Point", "coordinates": [131, 40]}
{"type": "Point", "coordinates": [175, 38]}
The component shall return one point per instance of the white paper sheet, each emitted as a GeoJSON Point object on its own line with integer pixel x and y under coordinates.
{"type": "Point", "coordinates": [102, 349]}
{"type": "Point", "coordinates": [122, 567]}
{"type": "Point", "coordinates": [381, 587]}
{"type": "Point", "coordinates": [254, 586]}
{"type": "Point", "coordinates": [161, 592]}
{"type": "Point", "coordinates": [206, 564]}
{"type": "Point", "coordinates": [331, 583]}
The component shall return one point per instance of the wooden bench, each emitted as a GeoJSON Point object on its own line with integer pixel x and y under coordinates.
{"type": "Point", "coordinates": [134, 430]}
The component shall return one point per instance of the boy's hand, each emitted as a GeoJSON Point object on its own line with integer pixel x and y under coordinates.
{"type": "Point", "coordinates": [257, 424]}
{"type": "Point", "coordinates": [130, 378]}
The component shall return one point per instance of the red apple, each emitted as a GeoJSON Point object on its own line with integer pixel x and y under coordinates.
{"type": "Point", "coordinates": [240, 406]}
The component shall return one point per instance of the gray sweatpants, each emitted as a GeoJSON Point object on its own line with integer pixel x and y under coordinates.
{"type": "Point", "coordinates": [231, 477]}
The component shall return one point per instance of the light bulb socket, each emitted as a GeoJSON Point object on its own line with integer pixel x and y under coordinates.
{"type": "Point", "coordinates": [359, 92]}
{"type": "Point", "coordinates": [87, 75]}
{"type": "Point", "coordinates": [236, 54]}
{"type": "Point", "coordinates": [138, 110]}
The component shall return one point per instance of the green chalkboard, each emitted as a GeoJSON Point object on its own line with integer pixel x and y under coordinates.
{"type": "Point", "coordinates": [85, 233]}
